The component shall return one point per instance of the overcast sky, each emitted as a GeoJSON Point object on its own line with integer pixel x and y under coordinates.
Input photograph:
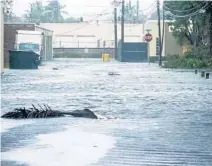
{"type": "Point", "coordinates": [78, 7]}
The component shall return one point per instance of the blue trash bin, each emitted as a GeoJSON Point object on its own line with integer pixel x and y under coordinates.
{"type": "Point", "coordinates": [23, 60]}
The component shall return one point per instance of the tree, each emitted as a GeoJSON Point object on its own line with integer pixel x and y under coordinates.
{"type": "Point", "coordinates": [17, 19]}
{"type": "Point", "coordinates": [154, 15]}
{"type": "Point", "coordinates": [7, 11]}
{"type": "Point", "coordinates": [71, 20]}
{"type": "Point", "coordinates": [188, 16]}
{"type": "Point", "coordinates": [51, 13]}
{"type": "Point", "coordinates": [54, 12]}
{"type": "Point", "coordinates": [209, 17]}
{"type": "Point", "coordinates": [10, 17]}
{"type": "Point", "coordinates": [36, 13]}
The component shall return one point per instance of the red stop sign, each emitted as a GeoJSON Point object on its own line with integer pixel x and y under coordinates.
{"type": "Point", "coordinates": [148, 37]}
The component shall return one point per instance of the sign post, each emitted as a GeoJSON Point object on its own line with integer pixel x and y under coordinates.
{"type": "Point", "coordinates": [148, 38]}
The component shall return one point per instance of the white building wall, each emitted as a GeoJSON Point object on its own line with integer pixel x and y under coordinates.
{"type": "Point", "coordinates": [1, 38]}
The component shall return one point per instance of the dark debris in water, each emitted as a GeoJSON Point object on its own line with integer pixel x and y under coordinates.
{"type": "Point", "coordinates": [113, 74]}
{"type": "Point", "coordinates": [34, 112]}
{"type": "Point", "coordinates": [55, 68]}
{"type": "Point", "coordinates": [46, 112]}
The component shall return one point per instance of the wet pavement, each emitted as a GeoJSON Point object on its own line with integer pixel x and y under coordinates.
{"type": "Point", "coordinates": [164, 116]}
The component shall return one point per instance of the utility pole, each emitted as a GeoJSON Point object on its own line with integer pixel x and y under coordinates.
{"type": "Point", "coordinates": [122, 28]}
{"type": "Point", "coordinates": [163, 30]}
{"type": "Point", "coordinates": [115, 31]}
{"type": "Point", "coordinates": [137, 10]}
{"type": "Point", "coordinates": [1, 37]}
{"type": "Point", "coordinates": [159, 33]}
{"type": "Point", "coordinates": [7, 9]}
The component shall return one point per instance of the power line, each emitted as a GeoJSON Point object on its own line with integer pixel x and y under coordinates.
{"type": "Point", "coordinates": [95, 14]}
{"type": "Point", "coordinates": [101, 14]}
{"type": "Point", "coordinates": [154, 2]}
{"type": "Point", "coordinates": [88, 6]}
{"type": "Point", "coordinates": [147, 14]}
{"type": "Point", "coordinates": [150, 12]}
{"type": "Point", "coordinates": [177, 16]}
{"type": "Point", "coordinates": [98, 15]}
{"type": "Point", "coordinates": [188, 15]}
{"type": "Point", "coordinates": [186, 10]}
{"type": "Point", "coordinates": [152, 5]}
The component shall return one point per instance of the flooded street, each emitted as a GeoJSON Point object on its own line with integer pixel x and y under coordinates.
{"type": "Point", "coordinates": [164, 116]}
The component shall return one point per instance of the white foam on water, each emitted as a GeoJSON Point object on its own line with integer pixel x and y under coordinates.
{"type": "Point", "coordinates": [7, 124]}
{"type": "Point", "coordinates": [72, 147]}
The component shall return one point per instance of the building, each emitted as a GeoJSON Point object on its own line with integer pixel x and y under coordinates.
{"type": "Point", "coordinates": [1, 38]}
{"type": "Point", "coordinates": [10, 39]}
{"type": "Point", "coordinates": [90, 35]}
{"type": "Point", "coordinates": [101, 35]}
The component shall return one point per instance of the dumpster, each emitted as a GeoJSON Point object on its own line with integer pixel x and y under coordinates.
{"type": "Point", "coordinates": [23, 60]}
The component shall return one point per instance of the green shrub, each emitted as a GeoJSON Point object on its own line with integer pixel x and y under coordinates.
{"type": "Point", "coordinates": [185, 62]}
{"type": "Point", "coordinates": [154, 59]}
{"type": "Point", "coordinates": [196, 57]}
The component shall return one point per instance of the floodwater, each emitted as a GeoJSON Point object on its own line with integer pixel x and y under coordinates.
{"type": "Point", "coordinates": [164, 116]}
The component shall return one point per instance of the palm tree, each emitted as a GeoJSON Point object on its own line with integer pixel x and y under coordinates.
{"type": "Point", "coordinates": [53, 12]}
{"type": "Point", "coordinates": [34, 15]}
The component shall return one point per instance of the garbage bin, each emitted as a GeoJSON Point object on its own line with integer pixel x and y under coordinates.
{"type": "Point", "coordinates": [23, 60]}
{"type": "Point", "coordinates": [105, 57]}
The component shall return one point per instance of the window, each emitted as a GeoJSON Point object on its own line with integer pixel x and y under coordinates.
{"type": "Point", "coordinates": [28, 47]}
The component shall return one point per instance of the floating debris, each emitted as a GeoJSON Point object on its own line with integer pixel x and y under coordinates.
{"type": "Point", "coordinates": [46, 112]}
{"type": "Point", "coordinates": [55, 68]}
{"type": "Point", "coordinates": [113, 74]}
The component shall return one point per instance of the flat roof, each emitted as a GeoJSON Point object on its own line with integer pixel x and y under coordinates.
{"type": "Point", "coordinates": [38, 26]}
{"type": "Point", "coordinates": [42, 28]}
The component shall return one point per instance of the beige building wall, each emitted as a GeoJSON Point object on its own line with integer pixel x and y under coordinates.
{"type": "Point", "coordinates": [154, 31]}
{"type": "Point", "coordinates": [1, 38]}
{"type": "Point", "coordinates": [87, 35]}
{"type": "Point", "coordinates": [84, 35]}
{"type": "Point", "coordinates": [171, 46]}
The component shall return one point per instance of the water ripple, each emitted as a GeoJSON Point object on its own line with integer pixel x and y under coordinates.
{"type": "Point", "coordinates": [165, 116]}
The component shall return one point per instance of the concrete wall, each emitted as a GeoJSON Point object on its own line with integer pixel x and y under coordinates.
{"type": "Point", "coordinates": [84, 52]}
{"type": "Point", "coordinates": [1, 39]}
